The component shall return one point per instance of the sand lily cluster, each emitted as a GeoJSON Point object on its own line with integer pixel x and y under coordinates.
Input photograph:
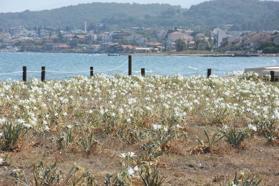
{"type": "Point", "coordinates": [124, 100]}
{"type": "Point", "coordinates": [81, 114]}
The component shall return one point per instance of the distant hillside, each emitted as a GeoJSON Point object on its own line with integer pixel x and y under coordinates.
{"type": "Point", "coordinates": [75, 16]}
{"type": "Point", "coordinates": [243, 14]}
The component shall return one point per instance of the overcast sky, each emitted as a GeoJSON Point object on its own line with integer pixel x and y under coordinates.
{"type": "Point", "coordinates": [21, 5]}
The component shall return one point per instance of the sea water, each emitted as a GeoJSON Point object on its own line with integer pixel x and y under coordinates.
{"type": "Point", "coordinates": [65, 65]}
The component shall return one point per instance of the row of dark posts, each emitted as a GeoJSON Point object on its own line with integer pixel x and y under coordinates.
{"type": "Point", "coordinates": [43, 71]}
{"type": "Point", "coordinates": [272, 76]}
{"type": "Point", "coordinates": [142, 70]}
{"type": "Point", "coordinates": [209, 71]}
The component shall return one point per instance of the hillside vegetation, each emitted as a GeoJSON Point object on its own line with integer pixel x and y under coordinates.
{"type": "Point", "coordinates": [243, 14]}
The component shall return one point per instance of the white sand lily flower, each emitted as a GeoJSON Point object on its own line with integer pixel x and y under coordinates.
{"type": "Point", "coordinates": [252, 127]}
{"type": "Point", "coordinates": [3, 120]}
{"type": "Point", "coordinates": [156, 126]}
{"type": "Point", "coordinates": [26, 125]}
{"type": "Point", "coordinates": [1, 161]}
{"type": "Point", "coordinates": [127, 155]}
{"type": "Point", "coordinates": [131, 171]}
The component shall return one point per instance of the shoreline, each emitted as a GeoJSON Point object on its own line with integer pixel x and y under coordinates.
{"type": "Point", "coordinates": [156, 54]}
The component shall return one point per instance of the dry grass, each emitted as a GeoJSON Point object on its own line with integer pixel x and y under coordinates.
{"type": "Point", "coordinates": [177, 164]}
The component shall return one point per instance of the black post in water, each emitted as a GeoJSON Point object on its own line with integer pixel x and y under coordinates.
{"type": "Point", "coordinates": [272, 74]}
{"type": "Point", "coordinates": [209, 71]}
{"type": "Point", "coordinates": [142, 72]}
{"type": "Point", "coordinates": [129, 65]}
{"type": "Point", "coordinates": [24, 73]}
{"type": "Point", "coordinates": [43, 73]}
{"type": "Point", "coordinates": [91, 71]}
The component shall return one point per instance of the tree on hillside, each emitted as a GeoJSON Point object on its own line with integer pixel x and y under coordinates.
{"type": "Point", "coordinates": [60, 36]}
{"type": "Point", "coordinates": [180, 45]}
{"type": "Point", "coordinates": [73, 43]}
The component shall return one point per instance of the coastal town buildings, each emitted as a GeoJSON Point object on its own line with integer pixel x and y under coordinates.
{"type": "Point", "coordinates": [172, 37]}
{"type": "Point", "coordinates": [135, 40]}
{"type": "Point", "coordinates": [219, 35]}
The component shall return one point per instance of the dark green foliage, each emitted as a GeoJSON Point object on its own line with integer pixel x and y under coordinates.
{"type": "Point", "coordinates": [46, 175]}
{"type": "Point", "coordinates": [243, 15]}
{"type": "Point", "coordinates": [87, 142]}
{"type": "Point", "coordinates": [150, 176]}
{"type": "Point", "coordinates": [73, 43]}
{"type": "Point", "coordinates": [210, 141]}
{"type": "Point", "coordinates": [234, 136]}
{"type": "Point", "coordinates": [270, 48]}
{"type": "Point", "coordinates": [268, 130]}
{"type": "Point", "coordinates": [11, 134]}
{"type": "Point", "coordinates": [180, 45]}
{"type": "Point", "coordinates": [245, 180]}
{"type": "Point", "coordinates": [75, 16]}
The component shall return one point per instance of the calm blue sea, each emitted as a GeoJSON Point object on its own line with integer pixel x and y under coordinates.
{"type": "Point", "coordinates": [61, 66]}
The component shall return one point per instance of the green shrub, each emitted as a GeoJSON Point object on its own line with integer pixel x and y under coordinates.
{"type": "Point", "coordinates": [234, 136]}
{"type": "Point", "coordinates": [268, 130]}
{"type": "Point", "coordinates": [210, 141]}
{"type": "Point", "coordinates": [87, 142]}
{"type": "Point", "coordinates": [151, 176]}
{"type": "Point", "coordinates": [45, 175]}
{"type": "Point", "coordinates": [79, 176]}
{"type": "Point", "coordinates": [10, 136]}
{"type": "Point", "coordinates": [245, 180]}
{"type": "Point", "coordinates": [65, 139]}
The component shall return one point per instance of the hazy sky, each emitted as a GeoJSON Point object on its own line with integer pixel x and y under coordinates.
{"type": "Point", "coordinates": [21, 5]}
